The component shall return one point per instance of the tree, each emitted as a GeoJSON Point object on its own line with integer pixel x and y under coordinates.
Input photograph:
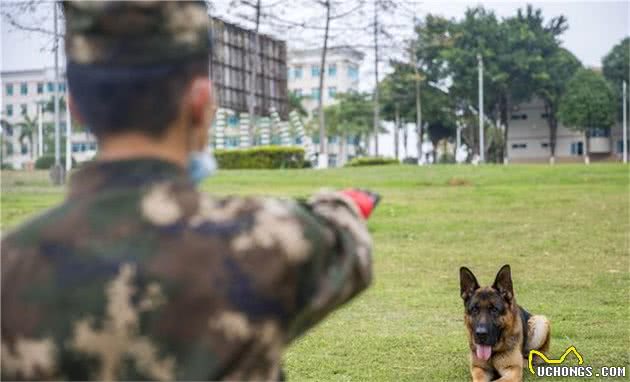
{"type": "Point", "coordinates": [588, 104]}
{"type": "Point", "coordinates": [616, 69]}
{"type": "Point", "coordinates": [560, 66]}
{"type": "Point", "coordinates": [514, 51]}
{"type": "Point", "coordinates": [431, 38]}
{"type": "Point", "coordinates": [399, 103]}
{"type": "Point", "coordinates": [349, 117]}
{"type": "Point", "coordinates": [28, 127]}
{"type": "Point", "coordinates": [295, 103]}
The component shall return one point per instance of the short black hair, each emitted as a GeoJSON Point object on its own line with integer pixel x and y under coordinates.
{"type": "Point", "coordinates": [145, 99]}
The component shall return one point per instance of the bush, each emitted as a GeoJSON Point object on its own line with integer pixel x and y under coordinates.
{"type": "Point", "coordinates": [410, 160]}
{"type": "Point", "coordinates": [261, 157]}
{"type": "Point", "coordinates": [446, 158]}
{"type": "Point", "coordinates": [7, 166]}
{"type": "Point", "coordinates": [45, 162]}
{"type": "Point", "coordinates": [371, 161]}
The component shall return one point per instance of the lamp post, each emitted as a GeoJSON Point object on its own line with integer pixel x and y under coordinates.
{"type": "Point", "coordinates": [40, 129]}
{"type": "Point", "coordinates": [625, 122]}
{"type": "Point", "coordinates": [481, 143]}
{"type": "Point", "coordinates": [57, 171]}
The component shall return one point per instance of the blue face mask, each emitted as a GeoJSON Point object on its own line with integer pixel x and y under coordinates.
{"type": "Point", "coordinates": [201, 165]}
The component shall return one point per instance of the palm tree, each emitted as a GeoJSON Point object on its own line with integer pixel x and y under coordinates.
{"type": "Point", "coordinates": [28, 127]}
{"type": "Point", "coordinates": [295, 103]}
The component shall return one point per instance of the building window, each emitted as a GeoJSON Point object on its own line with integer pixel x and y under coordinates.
{"type": "Point", "coordinates": [297, 73]}
{"type": "Point", "coordinates": [332, 70]}
{"type": "Point", "coordinates": [577, 148]}
{"type": "Point", "coordinates": [620, 145]}
{"type": "Point", "coordinates": [517, 146]}
{"type": "Point", "coordinates": [9, 89]}
{"type": "Point", "coordinates": [289, 73]}
{"type": "Point", "coordinates": [40, 87]}
{"type": "Point", "coordinates": [50, 87]}
{"type": "Point", "coordinates": [353, 72]}
{"type": "Point", "coordinates": [544, 116]}
{"type": "Point", "coordinates": [332, 160]}
{"type": "Point", "coordinates": [599, 132]}
{"type": "Point", "coordinates": [544, 145]}
{"type": "Point", "coordinates": [315, 93]}
{"type": "Point", "coordinates": [62, 87]}
{"type": "Point", "coordinates": [232, 120]}
{"type": "Point", "coordinates": [232, 141]}
{"type": "Point", "coordinates": [518, 116]}
{"type": "Point", "coordinates": [23, 108]}
{"type": "Point", "coordinates": [332, 92]}
{"type": "Point", "coordinates": [315, 71]}
{"type": "Point", "coordinates": [23, 88]}
{"type": "Point", "coordinates": [332, 140]}
{"type": "Point", "coordinates": [9, 110]}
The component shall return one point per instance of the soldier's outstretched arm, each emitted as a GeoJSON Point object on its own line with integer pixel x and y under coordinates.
{"type": "Point", "coordinates": [339, 264]}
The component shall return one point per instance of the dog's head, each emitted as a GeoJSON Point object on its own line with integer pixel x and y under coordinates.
{"type": "Point", "coordinates": [488, 309]}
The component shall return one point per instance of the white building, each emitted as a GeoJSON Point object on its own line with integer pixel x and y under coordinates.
{"type": "Point", "coordinates": [22, 91]}
{"type": "Point", "coordinates": [341, 75]}
{"type": "Point", "coordinates": [528, 138]}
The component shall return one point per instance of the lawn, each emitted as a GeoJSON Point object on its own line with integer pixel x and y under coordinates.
{"type": "Point", "coordinates": [564, 230]}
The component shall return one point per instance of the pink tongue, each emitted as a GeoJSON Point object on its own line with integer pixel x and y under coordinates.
{"type": "Point", "coordinates": [484, 352]}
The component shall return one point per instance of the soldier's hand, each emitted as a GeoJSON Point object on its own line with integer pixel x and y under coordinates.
{"type": "Point", "coordinates": [365, 200]}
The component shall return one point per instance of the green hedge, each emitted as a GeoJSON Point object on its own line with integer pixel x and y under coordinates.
{"type": "Point", "coordinates": [371, 161]}
{"type": "Point", "coordinates": [261, 157]}
{"type": "Point", "coordinates": [45, 162]}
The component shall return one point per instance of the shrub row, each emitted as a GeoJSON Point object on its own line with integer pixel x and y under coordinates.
{"type": "Point", "coordinates": [45, 162]}
{"type": "Point", "coordinates": [371, 161]}
{"type": "Point", "coordinates": [261, 157]}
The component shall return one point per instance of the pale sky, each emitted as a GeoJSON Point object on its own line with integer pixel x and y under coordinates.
{"type": "Point", "coordinates": [594, 27]}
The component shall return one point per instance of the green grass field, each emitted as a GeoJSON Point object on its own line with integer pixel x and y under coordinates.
{"type": "Point", "coordinates": [564, 230]}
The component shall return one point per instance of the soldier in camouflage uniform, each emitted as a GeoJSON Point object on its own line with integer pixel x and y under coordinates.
{"type": "Point", "coordinates": [137, 275]}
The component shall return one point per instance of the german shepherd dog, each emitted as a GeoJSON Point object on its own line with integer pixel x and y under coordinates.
{"type": "Point", "coordinates": [500, 332]}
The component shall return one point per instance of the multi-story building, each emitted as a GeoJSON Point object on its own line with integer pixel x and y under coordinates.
{"type": "Point", "coordinates": [341, 75]}
{"type": "Point", "coordinates": [23, 93]}
{"type": "Point", "coordinates": [528, 138]}
{"type": "Point", "coordinates": [230, 70]}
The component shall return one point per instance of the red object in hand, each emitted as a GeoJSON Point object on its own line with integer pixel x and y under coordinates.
{"type": "Point", "coordinates": [365, 200]}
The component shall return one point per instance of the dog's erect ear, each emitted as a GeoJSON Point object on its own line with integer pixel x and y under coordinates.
{"type": "Point", "coordinates": [467, 283]}
{"type": "Point", "coordinates": [503, 283]}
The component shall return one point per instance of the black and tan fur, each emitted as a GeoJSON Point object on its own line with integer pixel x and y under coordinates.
{"type": "Point", "coordinates": [494, 319]}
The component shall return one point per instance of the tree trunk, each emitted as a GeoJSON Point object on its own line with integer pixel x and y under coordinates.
{"type": "Point", "coordinates": [342, 150]}
{"type": "Point", "coordinates": [376, 102]}
{"type": "Point", "coordinates": [505, 117]}
{"type": "Point", "coordinates": [396, 128]}
{"type": "Point", "coordinates": [587, 144]}
{"type": "Point", "coordinates": [254, 62]}
{"type": "Point", "coordinates": [418, 119]}
{"type": "Point", "coordinates": [552, 121]}
{"type": "Point", "coordinates": [404, 127]}
{"type": "Point", "coordinates": [322, 123]}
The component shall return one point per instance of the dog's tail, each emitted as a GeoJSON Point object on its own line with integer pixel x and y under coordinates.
{"type": "Point", "coordinates": [538, 333]}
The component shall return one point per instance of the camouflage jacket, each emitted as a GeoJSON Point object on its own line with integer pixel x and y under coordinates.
{"type": "Point", "coordinates": [138, 275]}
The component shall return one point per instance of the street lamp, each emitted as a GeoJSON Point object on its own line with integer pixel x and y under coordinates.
{"type": "Point", "coordinates": [481, 143]}
{"type": "Point", "coordinates": [624, 146]}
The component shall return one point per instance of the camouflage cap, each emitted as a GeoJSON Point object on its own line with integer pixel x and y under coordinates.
{"type": "Point", "coordinates": [135, 32]}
